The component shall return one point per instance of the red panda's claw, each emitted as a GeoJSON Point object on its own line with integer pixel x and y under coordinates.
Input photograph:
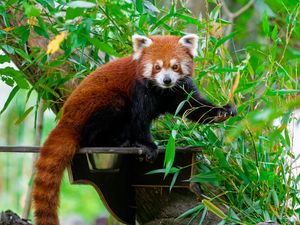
{"type": "Point", "coordinates": [225, 113]}
{"type": "Point", "coordinates": [150, 151]}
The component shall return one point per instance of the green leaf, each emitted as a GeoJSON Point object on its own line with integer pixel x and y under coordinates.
{"type": "Point", "coordinates": [139, 6]}
{"type": "Point", "coordinates": [174, 180]}
{"type": "Point", "coordinates": [8, 49]}
{"type": "Point", "coordinates": [222, 159]}
{"type": "Point", "coordinates": [172, 170]}
{"type": "Point", "coordinates": [214, 209]}
{"type": "Point", "coordinates": [4, 59]}
{"type": "Point", "coordinates": [18, 77]}
{"type": "Point", "coordinates": [8, 80]}
{"type": "Point", "coordinates": [170, 154]}
{"type": "Point", "coordinates": [161, 21]}
{"type": "Point", "coordinates": [11, 2]}
{"type": "Point", "coordinates": [274, 34]}
{"type": "Point", "coordinates": [226, 69]}
{"type": "Point", "coordinates": [179, 107]}
{"type": "Point", "coordinates": [41, 31]}
{"type": "Point", "coordinates": [46, 88]}
{"type": "Point", "coordinates": [282, 92]}
{"type": "Point", "coordinates": [73, 13]}
{"type": "Point", "coordinates": [205, 177]}
{"type": "Point", "coordinates": [102, 46]}
{"type": "Point", "coordinates": [30, 10]}
{"type": "Point", "coordinates": [12, 94]}
{"type": "Point", "coordinates": [275, 198]}
{"type": "Point", "coordinates": [23, 32]}
{"type": "Point", "coordinates": [197, 209]}
{"type": "Point", "coordinates": [188, 19]}
{"type": "Point", "coordinates": [22, 54]}
{"type": "Point", "coordinates": [224, 39]}
{"type": "Point", "coordinates": [203, 216]}
{"type": "Point", "coordinates": [23, 117]}
{"type": "Point", "coordinates": [265, 23]}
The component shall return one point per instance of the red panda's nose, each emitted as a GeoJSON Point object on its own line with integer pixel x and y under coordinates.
{"type": "Point", "coordinates": [167, 79]}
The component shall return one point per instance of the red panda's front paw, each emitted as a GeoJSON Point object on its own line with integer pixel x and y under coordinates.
{"type": "Point", "coordinates": [230, 109]}
{"type": "Point", "coordinates": [150, 154]}
{"type": "Point", "coordinates": [225, 113]}
{"type": "Point", "coordinates": [150, 151]}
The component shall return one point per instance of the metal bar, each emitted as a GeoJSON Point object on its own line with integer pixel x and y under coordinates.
{"type": "Point", "coordinates": [106, 150]}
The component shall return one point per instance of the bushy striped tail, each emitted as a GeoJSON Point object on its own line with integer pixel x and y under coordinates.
{"type": "Point", "coordinates": [56, 154]}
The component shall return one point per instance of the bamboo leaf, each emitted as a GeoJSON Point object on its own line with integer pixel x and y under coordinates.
{"type": "Point", "coordinates": [214, 209]}
{"type": "Point", "coordinates": [282, 92]}
{"type": "Point", "coordinates": [46, 88]}
{"type": "Point", "coordinates": [23, 117]}
{"type": "Point", "coordinates": [275, 198]}
{"type": "Point", "coordinates": [172, 170]}
{"type": "Point", "coordinates": [224, 39]}
{"type": "Point", "coordinates": [10, 98]}
{"type": "Point", "coordinates": [102, 46]}
{"type": "Point", "coordinates": [188, 19]}
{"type": "Point", "coordinates": [4, 59]}
{"type": "Point", "coordinates": [205, 177]}
{"type": "Point", "coordinates": [139, 6]}
{"type": "Point", "coordinates": [197, 208]}
{"type": "Point", "coordinates": [174, 180]}
{"type": "Point", "coordinates": [274, 34]}
{"type": "Point", "coordinates": [265, 23]}
{"type": "Point", "coordinates": [169, 155]}
{"type": "Point", "coordinates": [17, 76]}
{"type": "Point", "coordinates": [179, 107]}
{"type": "Point", "coordinates": [30, 10]}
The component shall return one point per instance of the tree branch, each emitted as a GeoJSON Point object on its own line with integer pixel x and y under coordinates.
{"type": "Point", "coordinates": [231, 16]}
{"type": "Point", "coordinates": [243, 9]}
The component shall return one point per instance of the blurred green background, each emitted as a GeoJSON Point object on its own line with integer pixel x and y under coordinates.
{"type": "Point", "coordinates": [247, 55]}
{"type": "Point", "coordinates": [16, 169]}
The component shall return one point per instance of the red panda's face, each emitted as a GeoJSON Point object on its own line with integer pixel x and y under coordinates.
{"type": "Point", "coordinates": [165, 59]}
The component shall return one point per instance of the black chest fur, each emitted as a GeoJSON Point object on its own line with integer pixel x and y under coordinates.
{"type": "Point", "coordinates": [114, 126]}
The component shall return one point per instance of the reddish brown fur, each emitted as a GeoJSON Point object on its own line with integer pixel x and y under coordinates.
{"type": "Point", "coordinates": [165, 48]}
{"type": "Point", "coordinates": [100, 89]}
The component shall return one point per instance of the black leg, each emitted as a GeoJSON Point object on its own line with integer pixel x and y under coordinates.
{"type": "Point", "coordinates": [197, 108]}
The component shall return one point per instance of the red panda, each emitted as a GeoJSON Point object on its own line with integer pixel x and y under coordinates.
{"type": "Point", "coordinates": [114, 106]}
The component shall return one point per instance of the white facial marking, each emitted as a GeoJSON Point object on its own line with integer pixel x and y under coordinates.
{"type": "Point", "coordinates": [160, 62]}
{"type": "Point", "coordinates": [173, 62]}
{"type": "Point", "coordinates": [190, 41]}
{"type": "Point", "coordinates": [147, 70]}
{"type": "Point", "coordinates": [185, 67]}
{"type": "Point", "coordinates": [139, 43]}
{"type": "Point", "coordinates": [165, 74]}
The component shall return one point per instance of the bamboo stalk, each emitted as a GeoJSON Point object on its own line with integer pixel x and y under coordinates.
{"type": "Point", "coordinates": [37, 141]}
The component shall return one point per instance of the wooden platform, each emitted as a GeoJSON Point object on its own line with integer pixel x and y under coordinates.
{"type": "Point", "coordinates": [115, 172]}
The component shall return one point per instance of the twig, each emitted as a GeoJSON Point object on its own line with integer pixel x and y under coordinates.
{"type": "Point", "coordinates": [231, 16]}
{"type": "Point", "coordinates": [37, 142]}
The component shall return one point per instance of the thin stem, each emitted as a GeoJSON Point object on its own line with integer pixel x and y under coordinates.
{"type": "Point", "coordinates": [37, 142]}
{"type": "Point", "coordinates": [111, 19]}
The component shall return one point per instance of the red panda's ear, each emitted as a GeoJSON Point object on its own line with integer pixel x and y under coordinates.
{"type": "Point", "coordinates": [139, 42]}
{"type": "Point", "coordinates": [190, 41]}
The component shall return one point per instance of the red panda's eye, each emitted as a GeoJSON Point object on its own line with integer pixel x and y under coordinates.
{"type": "Point", "coordinates": [157, 67]}
{"type": "Point", "coordinates": [175, 67]}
